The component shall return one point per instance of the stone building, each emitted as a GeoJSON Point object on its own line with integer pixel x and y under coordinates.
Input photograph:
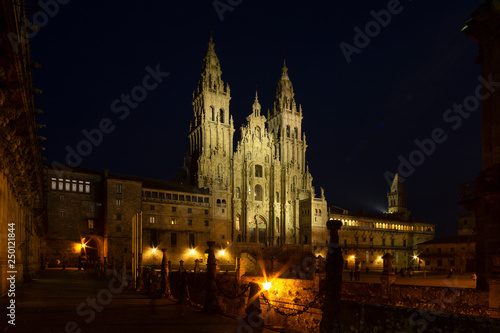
{"type": "Point", "coordinates": [483, 197]}
{"type": "Point", "coordinates": [452, 252]}
{"type": "Point", "coordinates": [263, 186]}
{"type": "Point", "coordinates": [22, 222]}
{"type": "Point", "coordinates": [466, 223]}
{"type": "Point", "coordinates": [365, 238]}
{"type": "Point", "coordinates": [96, 209]}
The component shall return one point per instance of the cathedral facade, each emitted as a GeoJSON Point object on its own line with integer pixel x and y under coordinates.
{"type": "Point", "coordinates": [262, 187]}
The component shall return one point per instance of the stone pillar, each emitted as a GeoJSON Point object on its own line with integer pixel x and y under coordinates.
{"type": "Point", "coordinates": [333, 266]}
{"type": "Point", "coordinates": [387, 277]}
{"type": "Point", "coordinates": [124, 272]}
{"type": "Point", "coordinates": [181, 266]}
{"type": "Point", "coordinates": [140, 275]}
{"type": "Point", "coordinates": [240, 270]}
{"type": "Point", "coordinates": [494, 285]}
{"type": "Point", "coordinates": [253, 321]}
{"type": "Point", "coordinates": [165, 285]}
{"type": "Point", "coordinates": [211, 302]}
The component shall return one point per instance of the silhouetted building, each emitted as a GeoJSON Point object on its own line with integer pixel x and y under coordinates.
{"type": "Point", "coordinates": [453, 252]}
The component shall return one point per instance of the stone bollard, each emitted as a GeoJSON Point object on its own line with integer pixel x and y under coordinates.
{"type": "Point", "coordinates": [211, 302]}
{"type": "Point", "coordinates": [494, 285]}
{"type": "Point", "coordinates": [164, 284]}
{"type": "Point", "coordinates": [124, 272]}
{"type": "Point", "coordinates": [240, 270]}
{"type": "Point", "coordinates": [387, 277]}
{"type": "Point", "coordinates": [181, 267]}
{"type": "Point", "coordinates": [333, 266]}
{"type": "Point", "coordinates": [253, 322]}
{"type": "Point", "coordinates": [196, 267]}
{"type": "Point", "coordinates": [140, 275]}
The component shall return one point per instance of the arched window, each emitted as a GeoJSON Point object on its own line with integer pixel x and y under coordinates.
{"type": "Point", "coordinates": [277, 225]}
{"type": "Point", "coordinates": [277, 197]}
{"type": "Point", "coordinates": [237, 222]}
{"type": "Point", "coordinates": [213, 113]}
{"type": "Point", "coordinates": [258, 193]}
{"type": "Point", "coordinates": [237, 193]}
{"type": "Point", "coordinates": [223, 203]}
{"type": "Point", "coordinates": [258, 171]}
{"type": "Point", "coordinates": [218, 202]}
{"type": "Point", "coordinates": [287, 131]}
{"type": "Point", "coordinates": [222, 116]}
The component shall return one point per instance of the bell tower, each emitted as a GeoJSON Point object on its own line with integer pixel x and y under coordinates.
{"type": "Point", "coordinates": [211, 131]}
{"type": "Point", "coordinates": [397, 197]}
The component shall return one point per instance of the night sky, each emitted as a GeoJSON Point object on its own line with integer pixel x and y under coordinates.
{"type": "Point", "coordinates": [359, 117]}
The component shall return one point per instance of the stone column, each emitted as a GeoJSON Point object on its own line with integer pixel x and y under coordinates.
{"type": "Point", "coordinates": [165, 285]}
{"type": "Point", "coordinates": [494, 286]}
{"type": "Point", "coordinates": [240, 270]}
{"type": "Point", "coordinates": [387, 277]}
{"type": "Point", "coordinates": [333, 266]}
{"type": "Point", "coordinates": [181, 266]}
{"type": "Point", "coordinates": [140, 275]}
{"type": "Point", "coordinates": [211, 302]}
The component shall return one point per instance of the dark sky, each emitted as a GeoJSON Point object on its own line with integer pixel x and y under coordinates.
{"type": "Point", "coordinates": [359, 117]}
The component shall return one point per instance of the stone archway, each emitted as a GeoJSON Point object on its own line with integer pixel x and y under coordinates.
{"type": "Point", "coordinates": [257, 229]}
{"type": "Point", "coordinates": [94, 247]}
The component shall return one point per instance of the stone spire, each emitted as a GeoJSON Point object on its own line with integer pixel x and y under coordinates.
{"type": "Point", "coordinates": [397, 196]}
{"type": "Point", "coordinates": [211, 71]}
{"type": "Point", "coordinates": [284, 100]}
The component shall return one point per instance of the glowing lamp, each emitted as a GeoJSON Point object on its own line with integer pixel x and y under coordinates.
{"type": "Point", "coordinates": [352, 257]}
{"type": "Point", "coordinates": [192, 251]}
{"type": "Point", "coordinates": [83, 245]}
{"type": "Point", "coordinates": [266, 285]}
{"type": "Point", "coordinates": [153, 250]}
{"type": "Point", "coordinates": [222, 252]}
{"type": "Point", "coordinates": [415, 257]}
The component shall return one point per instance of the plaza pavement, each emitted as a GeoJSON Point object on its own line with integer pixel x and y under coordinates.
{"type": "Point", "coordinates": [50, 303]}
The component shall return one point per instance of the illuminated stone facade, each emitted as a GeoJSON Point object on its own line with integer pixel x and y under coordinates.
{"type": "Point", "coordinates": [264, 185]}
{"type": "Point", "coordinates": [365, 238]}
{"type": "Point", "coordinates": [21, 175]}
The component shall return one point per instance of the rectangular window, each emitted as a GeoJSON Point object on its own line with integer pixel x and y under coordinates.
{"type": "Point", "coordinates": [87, 187]}
{"type": "Point", "coordinates": [67, 186]}
{"type": "Point", "coordinates": [53, 184]}
{"type": "Point", "coordinates": [191, 240]}
{"type": "Point", "coordinates": [371, 241]}
{"type": "Point", "coordinates": [62, 212]}
{"type": "Point", "coordinates": [175, 196]}
{"type": "Point", "coordinates": [118, 202]}
{"type": "Point", "coordinates": [206, 211]}
{"type": "Point", "coordinates": [392, 242]}
{"type": "Point", "coordinates": [74, 186]}
{"type": "Point", "coordinates": [162, 195]}
{"type": "Point", "coordinates": [152, 219]}
{"type": "Point", "coordinates": [118, 229]}
{"type": "Point", "coordinates": [60, 184]}
{"type": "Point", "coordinates": [173, 221]}
{"type": "Point", "coordinates": [258, 171]}
{"type": "Point", "coordinates": [404, 242]}
{"type": "Point", "coordinates": [194, 198]}
{"type": "Point", "coordinates": [190, 222]}
{"type": "Point", "coordinates": [200, 199]}
{"type": "Point", "coordinates": [383, 241]}
{"type": "Point", "coordinates": [80, 187]}
{"type": "Point", "coordinates": [119, 189]}
{"type": "Point", "coordinates": [173, 239]}
{"type": "Point", "coordinates": [118, 217]}
{"type": "Point", "coordinates": [190, 210]}
{"type": "Point", "coordinates": [181, 198]}
{"type": "Point", "coordinates": [206, 223]}
{"type": "Point", "coordinates": [188, 198]}
{"type": "Point", "coordinates": [152, 207]}
{"type": "Point", "coordinates": [168, 196]}
{"type": "Point", "coordinates": [92, 207]}
{"type": "Point", "coordinates": [364, 239]}
{"type": "Point", "coordinates": [91, 224]}
{"type": "Point", "coordinates": [174, 209]}
{"type": "Point", "coordinates": [345, 242]}
{"type": "Point", "coordinates": [148, 194]}
{"type": "Point", "coordinates": [205, 200]}
{"type": "Point", "coordinates": [155, 195]}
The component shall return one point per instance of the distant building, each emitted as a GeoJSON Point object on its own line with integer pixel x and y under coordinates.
{"type": "Point", "coordinates": [453, 252]}
{"type": "Point", "coordinates": [365, 238]}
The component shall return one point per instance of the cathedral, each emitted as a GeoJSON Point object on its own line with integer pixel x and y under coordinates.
{"type": "Point", "coordinates": [261, 186]}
